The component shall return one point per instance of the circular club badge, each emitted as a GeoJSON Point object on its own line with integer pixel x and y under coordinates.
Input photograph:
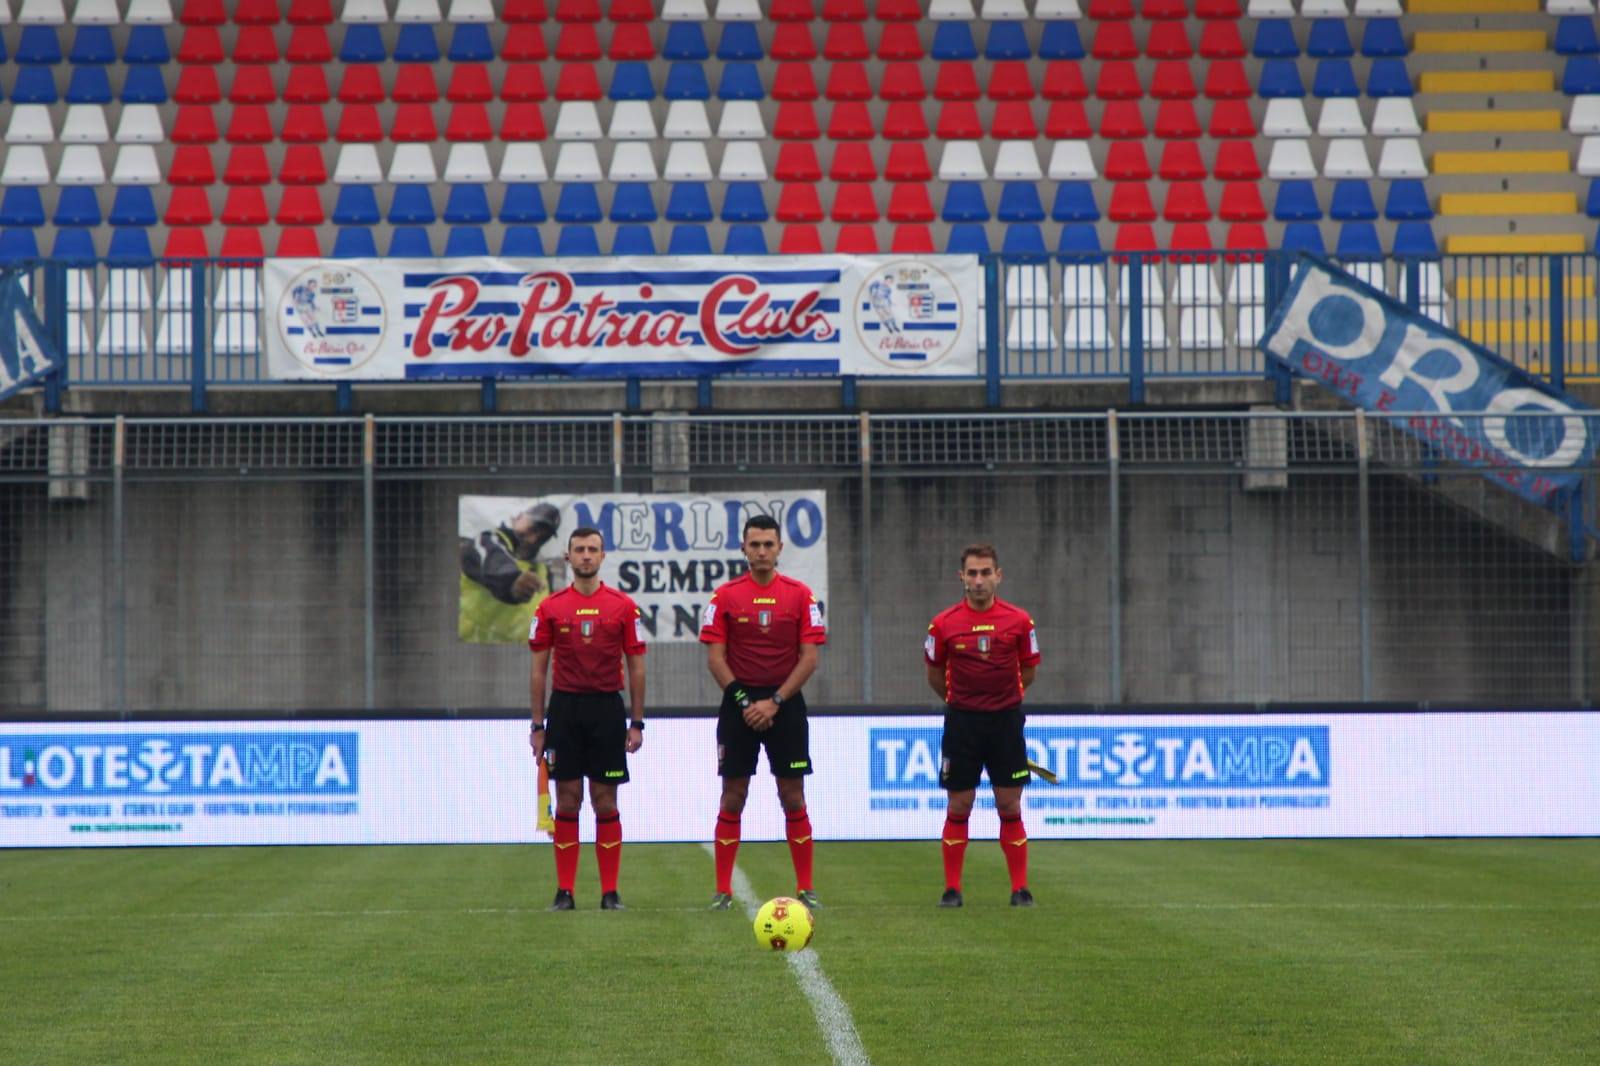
{"type": "Point", "coordinates": [909, 315]}
{"type": "Point", "coordinates": [332, 318]}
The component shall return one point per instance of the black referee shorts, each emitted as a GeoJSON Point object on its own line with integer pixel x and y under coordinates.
{"type": "Point", "coordinates": [974, 740]}
{"type": "Point", "coordinates": [788, 742]}
{"type": "Point", "coordinates": [586, 735]}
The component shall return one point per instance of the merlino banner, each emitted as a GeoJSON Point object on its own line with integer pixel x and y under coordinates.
{"type": "Point", "coordinates": [474, 781]}
{"type": "Point", "coordinates": [669, 552]}
{"type": "Point", "coordinates": [1378, 354]}
{"type": "Point", "coordinates": [419, 319]}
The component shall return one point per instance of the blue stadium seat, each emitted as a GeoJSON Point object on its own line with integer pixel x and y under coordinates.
{"type": "Point", "coordinates": [133, 206]}
{"type": "Point", "coordinates": [740, 81]}
{"type": "Point", "coordinates": [1383, 39]}
{"type": "Point", "coordinates": [967, 238]}
{"type": "Point", "coordinates": [1060, 41]}
{"type": "Point", "coordinates": [130, 246]}
{"type": "Point", "coordinates": [522, 241]}
{"type": "Point", "coordinates": [633, 202]}
{"type": "Point", "coordinates": [362, 44]}
{"type": "Point", "coordinates": [37, 85]}
{"type": "Point", "coordinates": [1082, 243]}
{"type": "Point", "coordinates": [1275, 40]}
{"type": "Point", "coordinates": [1575, 36]}
{"type": "Point", "coordinates": [633, 239]}
{"type": "Point", "coordinates": [467, 205]}
{"type": "Point", "coordinates": [1389, 77]}
{"type": "Point", "coordinates": [744, 203]}
{"type": "Point", "coordinates": [1352, 202]}
{"type": "Point", "coordinates": [354, 242]}
{"type": "Point", "coordinates": [146, 44]}
{"type": "Point", "coordinates": [357, 205]}
{"type": "Point", "coordinates": [1019, 202]}
{"type": "Point", "coordinates": [412, 205]}
{"type": "Point", "coordinates": [964, 202]}
{"type": "Point", "coordinates": [744, 240]}
{"type": "Point", "coordinates": [1408, 201]}
{"type": "Point", "coordinates": [687, 81]}
{"type": "Point", "coordinates": [1581, 76]}
{"type": "Point", "coordinates": [522, 204]}
{"type": "Point", "coordinates": [89, 85]}
{"type": "Point", "coordinates": [1303, 237]}
{"type": "Point", "coordinates": [1335, 78]}
{"type": "Point", "coordinates": [1023, 238]}
{"type": "Point", "coordinates": [1075, 203]}
{"type": "Point", "coordinates": [689, 202]}
{"type": "Point", "coordinates": [1280, 77]}
{"type": "Point", "coordinates": [685, 43]}
{"type": "Point", "coordinates": [581, 240]}
{"type": "Point", "coordinates": [79, 205]}
{"type": "Point", "coordinates": [74, 246]}
{"type": "Point", "coordinates": [689, 239]}
{"type": "Point", "coordinates": [1329, 40]}
{"type": "Point", "coordinates": [18, 245]}
{"type": "Point", "coordinates": [739, 43]}
{"type": "Point", "coordinates": [1415, 239]}
{"type": "Point", "coordinates": [416, 44]}
{"type": "Point", "coordinates": [631, 81]}
{"type": "Point", "coordinates": [39, 46]}
{"type": "Point", "coordinates": [953, 40]}
{"type": "Point", "coordinates": [1296, 202]}
{"type": "Point", "coordinates": [1006, 41]}
{"type": "Point", "coordinates": [1358, 240]}
{"type": "Point", "coordinates": [465, 242]}
{"type": "Point", "coordinates": [143, 85]}
{"type": "Point", "coordinates": [92, 45]}
{"type": "Point", "coordinates": [470, 43]}
{"type": "Point", "coordinates": [410, 242]}
{"type": "Point", "coordinates": [1591, 206]}
{"type": "Point", "coordinates": [22, 206]}
{"type": "Point", "coordinates": [579, 203]}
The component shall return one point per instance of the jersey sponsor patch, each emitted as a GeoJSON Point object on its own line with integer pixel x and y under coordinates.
{"type": "Point", "coordinates": [638, 630]}
{"type": "Point", "coordinates": [816, 615]}
{"type": "Point", "coordinates": [1033, 641]}
{"type": "Point", "coordinates": [927, 647]}
{"type": "Point", "coordinates": [533, 628]}
{"type": "Point", "coordinates": [709, 615]}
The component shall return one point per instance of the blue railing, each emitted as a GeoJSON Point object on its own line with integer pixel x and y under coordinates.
{"type": "Point", "coordinates": [1119, 317]}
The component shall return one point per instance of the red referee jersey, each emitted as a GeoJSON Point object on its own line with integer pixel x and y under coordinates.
{"type": "Point", "coordinates": [763, 626]}
{"type": "Point", "coordinates": [589, 635]}
{"type": "Point", "coordinates": [983, 653]}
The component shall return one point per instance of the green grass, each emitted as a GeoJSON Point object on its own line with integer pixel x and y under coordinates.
{"type": "Point", "coordinates": [1196, 952]}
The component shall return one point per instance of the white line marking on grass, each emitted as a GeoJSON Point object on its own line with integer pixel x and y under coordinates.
{"type": "Point", "coordinates": [833, 1014]}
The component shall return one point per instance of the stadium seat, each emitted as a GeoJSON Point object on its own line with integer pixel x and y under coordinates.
{"type": "Point", "coordinates": [1172, 81]}
{"type": "Point", "coordinates": [909, 202]}
{"type": "Point", "coordinates": [1181, 161]}
{"type": "Point", "coordinates": [1352, 202]}
{"type": "Point", "coordinates": [1303, 237]}
{"type": "Point", "coordinates": [1335, 77]}
{"type": "Point", "coordinates": [1071, 161]}
{"type": "Point", "coordinates": [1575, 35]}
{"type": "Point", "coordinates": [911, 239]}
{"type": "Point", "coordinates": [1383, 39]}
{"type": "Point", "coordinates": [967, 238]}
{"type": "Point", "coordinates": [953, 40]}
{"type": "Point", "coordinates": [1118, 80]}
{"type": "Point", "coordinates": [1063, 80]}
{"type": "Point", "coordinates": [76, 206]}
{"type": "Point", "coordinates": [800, 239]}
{"type": "Point", "coordinates": [1388, 77]}
{"type": "Point", "coordinates": [852, 161]}
{"type": "Point", "coordinates": [744, 240]}
{"type": "Point", "coordinates": [907, 161]}
{"type": "Point", "coordinates": [1231, 119]}
{"type": "Point", "coordinates": [797, 202]}
{"type": "Point", "coordinates": [1275, 40]}
{"type": "Point", "coordinates": [1358, 240]}
{"type": "Point", "coordinates": [1280, 78]}
{"type": "Point", "coordinates": [1068, 121]}
{"type": "Point", "coordinates": [1130, 202]}
{"type": "Point", "coordinates": [133, 205]}
{"type": "Point", "coordinates": [1415, 240]}
{"type": "Point", "coordinates": [689, 201]}
{"type": "Point", "coordinates": [1125, 161]}
{"type": "Point", "coordinates": [1241, 202]}
{"type": "Point", "coordinates": [354, 242]}
{"type": "Point", "coordinates": [37, 85]}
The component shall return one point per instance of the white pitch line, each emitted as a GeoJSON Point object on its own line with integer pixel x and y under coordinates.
{"type": "Point", "coordinates": [832, 1013]}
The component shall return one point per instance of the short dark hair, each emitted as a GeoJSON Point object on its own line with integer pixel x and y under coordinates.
{"type": "Point", "coordinates": [760, 521]}
{"type": "Point", "coordinates": [586, 531]}
{"type": "Point", "coordinates": [982, 551]}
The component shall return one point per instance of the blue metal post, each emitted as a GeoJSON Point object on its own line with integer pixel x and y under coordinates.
{"type": "Point", "coordinates": [199, 299]}
{"type": "Point", "coordinates": [1277, 284]}
{"type": "Point", "coordinates": [343, 397]}
{"type": "Point", "coordinates": [1557, 349]}
{"type": "Point", "coordinates": [703, 393]}
{"type": "Point", "coordinates": [490, 395]}
{"type": "Point", "coordinates": [55, 321]}
{"type": "Point", "coordinates": [991, 328]}
{"type": "Point", "coordinates": [633, 401]}
{"type": "Point", "coordinates": [1135, 338]}
{"type": "Point", "coordinates": [847, 392]}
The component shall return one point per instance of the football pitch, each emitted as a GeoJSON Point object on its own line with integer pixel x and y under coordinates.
{"type": "Point", "coordinates": [1454, 952]}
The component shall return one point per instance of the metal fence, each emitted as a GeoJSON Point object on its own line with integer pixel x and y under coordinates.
{"type": "Point", "coordinates": [167, 566]}
{"type": "Point", "coordinates": [1122, 316]}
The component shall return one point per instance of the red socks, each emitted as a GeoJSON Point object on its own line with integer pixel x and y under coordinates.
{"type": "Point", "coordinates": [797, 828]}
{"type": "Point", "coordinates": [1014, 842]}
{"type": "Point", "coordinates": [954, 846]}
{"type": "Point", "coordinates": [566, 851]}
{"type": "Point", "coordinates": [608, 849]}
{"type": "Point", "coordinates": [726, 847]}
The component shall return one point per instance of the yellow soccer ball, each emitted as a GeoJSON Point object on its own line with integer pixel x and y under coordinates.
{"type": "Point", "coordinates": [784, 924]}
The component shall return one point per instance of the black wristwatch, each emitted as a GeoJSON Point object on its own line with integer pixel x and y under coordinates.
{"type": "Point", "coordinates": [777, 700]}
{"type": "Point", "coordinates": [637, 723]}
{"type": "Point", "coordinates": [536, 727]}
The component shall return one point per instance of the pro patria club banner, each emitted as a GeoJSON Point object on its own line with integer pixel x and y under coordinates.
{"type": "Point", "coordinates": [413, 319]}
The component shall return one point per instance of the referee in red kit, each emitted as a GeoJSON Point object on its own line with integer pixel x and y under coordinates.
{"type": "Point", "coordinates": [762, 631]}
{"type": "Point", "coordinates": [981, 655]}
{"type": "Point", "coordinates": [592, 629]}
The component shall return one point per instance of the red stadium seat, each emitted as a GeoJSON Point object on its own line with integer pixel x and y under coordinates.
{"type": "Point", "coordinates": [577, 43]}
{"type": "Point", "coordinates": [1118, 81]}
{"type": "Point", "coordinates": [577, 10]}
{"type": "Point", "coordinates": [306, 85]}
{"type": "Point", "coordinates": [251, 85]}
{"type": "Point", "coordinates": [1130, 202]}
{"type": "Point", "coordinates": [1137, 237]}
{"type": "Point", "coordinates": [522, 11]}
{"type": "Point", "coordinates": [904, 121]}
{"type": "Point", "coordinates": [303, 165]}
{"type": "Point", "coordinates": [902, 81]}
{"type": "Point", "coordinates": [469, 84]}
{"type": "Point", "coordinates": [911, 240]}
{"type": "Point", "coordinates": [851, 121]}
{"type": "Point", "coordinates": [794, 82]}
{"type": "Point", "coordinates": [197, 85]}
{"type": "Point", "coordinates": [899, 11]}
{"type": "Point", "coordinates": [1246, 237]}
{"type": "Point", "coordinates": [1172, 81]}
{"type": "Point", "coordinates": [249, 124]}
{"type": "Point", "coordinates": [1226, 80]}
{"type": "Point", "coordinates": [241, 245]}
{"type": "Point", "coordinates": [523, 83]}
{"type": "Point", "coordinates": [524, 44]}
{"type": "Point", "coordinates": [184, 243]}
{"type": "Point", "coordinates": [469, 122]}
{"type": "Point", "coordinates": [1168, 40]}
{"type": "Point", "coordinates": [852, 161]}
{"type": "Point", "coordinates": [1217, 9]}
{"type": "Point", "coordinates": [358, 124]}
{"type": "Point", "coordinates": [856, 239]}
{"type": "Point", "coordinates": [800, 240]}
{"type": "Point", "coordinates": [414, 84]}
{"type": "Point", "coordinates": [631, 11]}
{"type": "Point", "coordinates": [246, 205]}
{"type": "Point", "coordinates": [1114, 40]}
{"type": "Point", "coordinates": [1220, 40]}
{"type": "Point", "coordinates": [631, 40]}
{"type": "Point", "coordinates": [792, 41]}
{"type": "Point", "coordinates": [1176, 120]}
{"type": "Point", "coordinates": [522, 122]}
{"type": "Point", "coordinates": [1231, 119]}
{"type": "Point", "coordinates": [255, 44]}
{"type": "Point", "coordinates": [1186, 202]}
{"type": "Point", "coordinates": [899, 40]}
{"type": "Point", "coordinates": [1126, 161]}
{"type": "Point", "coordinates": [958, 121]}
{"type": "Point", "coordinates": [909, 202]}
{"type": "Point", "coordinates": [797, 161]}
{"type": "Point", "coordinates": [194, 124]}
{"type": "Point", "coordinates": [908, 162]}
{"type": "Point", "coordinates": [1165, 9]}
{"type": "Point", "coordinates": [578, 81]}
{"type": "Point", "coordinates": [200, 44]}
{"type": "Point", "coordinates": [247, 165]}
{"type": "Point", "coordinates": [191, 165]}
{"type": "Point", "coordinates": [1063, 80]}
{"type": "Point", "coordinates": [1192, 237]}
{"type": "Point", "coordinates": [852, 202]}
{"type": "Point", "coordinates": [956, 81]}
{"type": "Point", "coordinates": [298, 242]}
{"type": "Point", "coordinates": [798, 202]}
{"type": "Point", "coordinates": [1122, 121]}
{"type": "Point", "coordinates": [361, 84]}
{"type": "Point", "coordinates": [1013, 121]}
{"type": "Point", "coordinates": [1241, 202]}
{"type": "Point", "coordinates": [1009, 80]}
{"type": "Point", "coordinates": [310, 12]}
{"type": "Point", "coordinates": [1180, 161]}
{"type": "Point", "coordinates": [1110, 9]}
{"type": "Point", "coordinates": [1236, 161]}
{"type": "Point", "coordinates": [1067, 121]}
{"type": "Point", "coordinates": [848, 81]}
{"type": "Point", "coordinates": [189, 206]}
{"type": "Point", "coordinates": [202, 13]}
{"type": "Point", "coordinates": [844, 10]}
{"type": "Point", "coordinates": [791, 11]}
{"type": "Point", "coordinates": [796, 122]}
{"type": "Point", "coordinates": [845, 40]}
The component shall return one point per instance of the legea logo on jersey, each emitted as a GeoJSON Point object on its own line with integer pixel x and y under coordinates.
{"type": "Point", "coordinates": [332, 318]}
{"type": "Point", "coordinates": [908, 314]}
{"type": "Point", "coordinates": [1132, 757]}
{"type": "Point", "coordinates": [181, 764]}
